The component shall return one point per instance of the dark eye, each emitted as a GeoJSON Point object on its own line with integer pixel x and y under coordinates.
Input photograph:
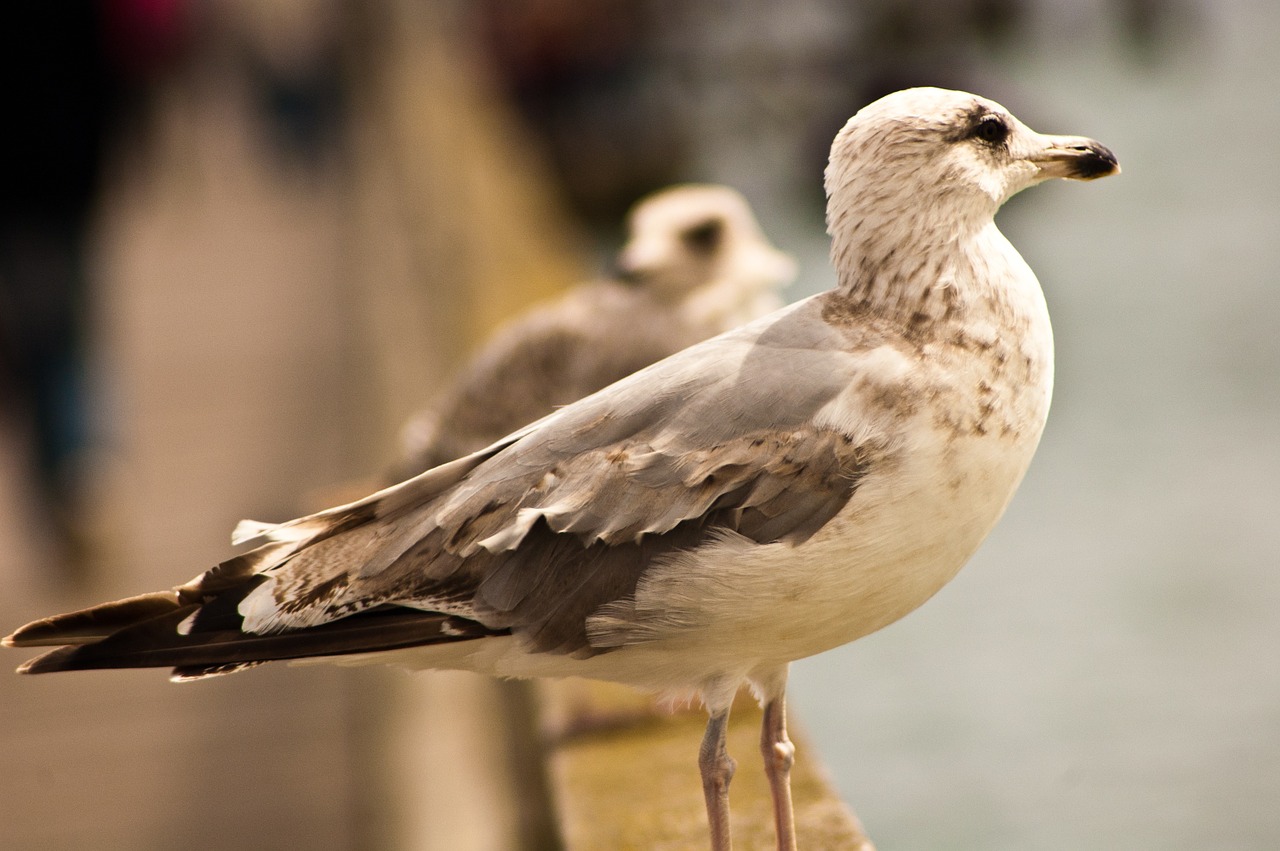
{"type": "Point", "coordinates": [991, 129]}
{"type": "Point", "coordinates": [704, 237]}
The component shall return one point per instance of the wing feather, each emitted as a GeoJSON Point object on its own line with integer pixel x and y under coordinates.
{"type": "Point", "coordinates": [539, 531]}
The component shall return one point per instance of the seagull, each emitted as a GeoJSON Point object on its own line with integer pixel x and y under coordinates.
{"type": "Point", "coordinates": [695, 264]}
{"type": "Point", "coordinates": [768, 494]}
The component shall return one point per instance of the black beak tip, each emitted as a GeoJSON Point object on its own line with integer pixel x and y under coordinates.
{"type": "Point", "coordinates": [1096, 160]}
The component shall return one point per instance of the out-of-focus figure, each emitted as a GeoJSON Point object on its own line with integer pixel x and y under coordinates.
{"type": "Point", "coordinates": [695, 264]}
{"type": "Point", "coordinates": [71, 72]}
{"type": "Point", "coordinates": [587, 79]}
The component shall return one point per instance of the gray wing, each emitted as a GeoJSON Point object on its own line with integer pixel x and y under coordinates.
{"type": "Point", "coordinates": [534, 534]}
{"type": "Point", "coordinates": [550, 524]}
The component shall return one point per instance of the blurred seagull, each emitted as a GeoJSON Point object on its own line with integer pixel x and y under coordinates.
{"type": "Point", "coordinates": [768, 494]}
{"type": "Point", "coordinates": [695, 264]}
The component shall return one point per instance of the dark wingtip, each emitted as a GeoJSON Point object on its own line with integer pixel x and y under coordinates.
{"type": "Point", "coordinates": [159, 642]}
{"type": "Point", "coordinates": [94, 623]}
{"type": "Point", "coordinates": [48, 663]}
{"type": "Point", "coordinates": [44, 633]}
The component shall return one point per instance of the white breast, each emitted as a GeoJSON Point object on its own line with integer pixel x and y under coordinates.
{"type": "Point", "coordinates": [959, 422]}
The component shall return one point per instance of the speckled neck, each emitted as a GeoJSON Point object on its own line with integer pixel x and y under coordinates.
{"type": "Point", "coordinates": [922, 275]}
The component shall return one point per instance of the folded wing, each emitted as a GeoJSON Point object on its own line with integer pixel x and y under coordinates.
{"type": "Point", "coordinates": [530, 536]}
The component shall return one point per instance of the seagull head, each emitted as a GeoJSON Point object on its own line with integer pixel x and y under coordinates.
{"type": "Point", "coordinates": [682, 238]}
{"type": "Point", "coordinates": [924, 156]}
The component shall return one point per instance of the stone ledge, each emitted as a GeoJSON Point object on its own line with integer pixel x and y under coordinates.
{"type": "Point", "coordinates": [624, 775]}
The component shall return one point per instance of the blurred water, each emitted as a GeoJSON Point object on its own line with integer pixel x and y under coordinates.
{"type": "Point", "coordinates": [1104, 673]}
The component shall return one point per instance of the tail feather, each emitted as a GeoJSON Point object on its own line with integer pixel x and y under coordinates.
{"type": "Point", "coordinates": [191, 673]}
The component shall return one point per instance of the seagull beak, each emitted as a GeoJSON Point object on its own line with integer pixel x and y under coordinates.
{"type": "Point", "coordinates": [630, 266]}
{"type": "Point", "coordinates": [1075, 157]}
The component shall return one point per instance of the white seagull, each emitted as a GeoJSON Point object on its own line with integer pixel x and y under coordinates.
{"type": "Point", "coordinates": [766, 495]}
{"type": "Point", "coordinates": [695, 264]}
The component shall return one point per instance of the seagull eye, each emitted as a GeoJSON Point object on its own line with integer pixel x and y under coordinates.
{"type": "Point", "coordinates": [704, 237]}
{"type": "Point", "coordinates": [991, 129]}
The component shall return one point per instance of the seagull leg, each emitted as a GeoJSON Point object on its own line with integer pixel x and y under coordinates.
{"type": "Point", "coordinates": [717, 770]}
{"type": "Point", "coordinates": [770, 686]}
{"type": "Point", "coordinates": [779, 755]}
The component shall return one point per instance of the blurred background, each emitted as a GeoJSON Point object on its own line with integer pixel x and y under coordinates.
{"type": "Point", "coordinates": [243, 240]}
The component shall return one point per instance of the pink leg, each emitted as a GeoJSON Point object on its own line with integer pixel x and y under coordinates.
{"type": "Point", "coordinates": [717, 770]}
{"type": "Point", "coordinates": [779, 755]}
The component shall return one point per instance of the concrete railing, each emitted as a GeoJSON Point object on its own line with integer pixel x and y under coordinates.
{"type": "Point", "coordinates": [624, 775]}
{"type": "Point", "coordinates": [581, 766]}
